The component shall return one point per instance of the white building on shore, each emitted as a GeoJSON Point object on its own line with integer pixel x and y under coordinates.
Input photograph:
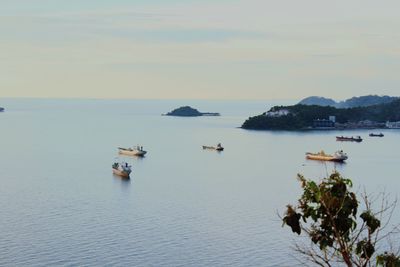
{"type": "Point", "coordinates": [393, 124]}
{"type": "Point", "coordinates": [277, 113]}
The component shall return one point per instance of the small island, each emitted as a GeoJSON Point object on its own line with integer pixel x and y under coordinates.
{"type": "Point", "coordinates": [314, 117]}
{"type": "Point", "coordinates": [187, 111]}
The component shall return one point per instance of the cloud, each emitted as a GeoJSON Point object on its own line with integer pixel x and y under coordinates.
{"type": "Point", "coordinates": [133, 26]}
{"type": "Point", "coordinates": [254, 48]}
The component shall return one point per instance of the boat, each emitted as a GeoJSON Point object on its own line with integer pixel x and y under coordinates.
{"type": "Point", "coordinates": [134, 151]}
{"type": "Point", "coordinates": [338, 156]}
{"type": "Point", "coordinates": [218, 147]}
{"type": "Point", "coordinates": [352, 139]}
{"type": "Point", "coordinates": [122, 169]}
{"type": "Point", "coordinates": [376, 135]}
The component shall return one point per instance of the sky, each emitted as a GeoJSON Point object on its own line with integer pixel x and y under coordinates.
{"type": "Point", "coordinates": [199, 49]}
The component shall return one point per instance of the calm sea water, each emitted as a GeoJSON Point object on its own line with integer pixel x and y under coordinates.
{"type": "Point", "coordinates": [60, 205]}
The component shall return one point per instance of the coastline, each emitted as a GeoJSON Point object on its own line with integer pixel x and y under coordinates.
{"type": "Point", "coordinates": [315, 129]}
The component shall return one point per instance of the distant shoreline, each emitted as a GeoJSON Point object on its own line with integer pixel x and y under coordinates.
{"type": "Point", "coordinates": [314, 117]}
{"type": "Point", "coordinates": [314, 129]}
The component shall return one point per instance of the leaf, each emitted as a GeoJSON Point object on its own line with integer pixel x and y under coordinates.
{"type": "Point", "coordinates": [365, 249]}
{"type": "Point", "coordinates": [388, 260]}
{"type": "Point", "coordinates": [371, 221]}
{"type": "Point", "coordinates": [292, 219]}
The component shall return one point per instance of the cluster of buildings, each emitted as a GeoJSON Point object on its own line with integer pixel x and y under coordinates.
{"type": "Point", "coordinates": [330, 123]}
{"type": "Point", "coordinates": [324, 123]}
{"type": "Point", "coordinates": [277, 113]}
{"type": "Point", "coordinates": [365, 124]}
{"type": "Point", "coordinates": [393, 125]}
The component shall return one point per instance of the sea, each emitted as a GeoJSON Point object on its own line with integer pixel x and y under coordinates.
{"type": "Point", "coordinates": [60, 204]}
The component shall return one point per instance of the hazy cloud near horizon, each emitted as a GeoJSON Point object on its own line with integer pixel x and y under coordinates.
{"type": "Point", "coordinates": [223, 49]}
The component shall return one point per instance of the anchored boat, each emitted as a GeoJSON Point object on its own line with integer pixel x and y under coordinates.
{"type": "Point", "coordinates": [376, 135]}
{"type": "Point", "coordinates": [351, 139]}
{"type": "Point", "coordinates": [122, 169]}
{"type": "Point", "coordinates": [338, 156]}
{"type": "Point", "coordinates": [134, 151]}
{"type": "Point", "coordinates": [218, 147]}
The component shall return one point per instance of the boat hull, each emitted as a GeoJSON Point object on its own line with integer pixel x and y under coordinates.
{"type": "Point", "coordinates": [132, 152]}
{"type": "Point", "coordinates": [121, 173]}
{"type": "Point", "coordinates": [325, 158]}
{"type": "Point", "coordinates": [348, 139]}
{"type": "Point", "coordinates": [214, 148]}
{"type": "Point", "coordinates": [376, 135]}
{"type": "Point", "coordinates": [319, 158]}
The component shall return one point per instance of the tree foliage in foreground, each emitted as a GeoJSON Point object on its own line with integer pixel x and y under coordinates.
{"type": "Point", "coordinates": [328, 213]}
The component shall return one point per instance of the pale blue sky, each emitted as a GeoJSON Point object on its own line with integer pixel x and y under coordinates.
{"type": "Point", "coordinates": [237, 49]}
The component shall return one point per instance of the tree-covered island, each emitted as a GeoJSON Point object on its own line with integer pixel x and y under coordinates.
{"type": "Point", "coordinates": [306, 117]}
{"type": "Point", "coordinates": [187, 111]}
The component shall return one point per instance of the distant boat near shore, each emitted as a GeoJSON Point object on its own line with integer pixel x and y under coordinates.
{"type": "Point", "coordinates": [351, 139]}
{"type": "Point", "coordinates": [376, 135]}
{"type": "Point", "coordinates": [338, 156]}
{"type": "Point", "coordinates": [135, 151]}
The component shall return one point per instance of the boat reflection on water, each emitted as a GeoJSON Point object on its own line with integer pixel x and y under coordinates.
{"type": "Point", "coordinates": [121, 178]}
{"type": "Point", "coordinates": [122, 184]}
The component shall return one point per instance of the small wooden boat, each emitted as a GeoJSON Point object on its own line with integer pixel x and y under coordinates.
{"type": "Point", "coordinates": [134, 151]}
{"type": "Point", "coordinates": [376, 135]}
{"type": "Point", "coordinates": [218, 147]}
{"type": "Point", "coordinates": [122, 169]}
{"type": "Point", "coordinates": [338, 156]}
{"type": "Point", "coordinates": [351, 139]}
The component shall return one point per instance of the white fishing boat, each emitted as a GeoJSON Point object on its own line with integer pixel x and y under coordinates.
{"type": "Point", "coordinates": [122, 169]}
{"type": "Point", "coordinates": [338, 156]}
{"type": "Point", "coordinates": [134, 151]}
{"type": "Point", "coordinates": [218, 147]}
